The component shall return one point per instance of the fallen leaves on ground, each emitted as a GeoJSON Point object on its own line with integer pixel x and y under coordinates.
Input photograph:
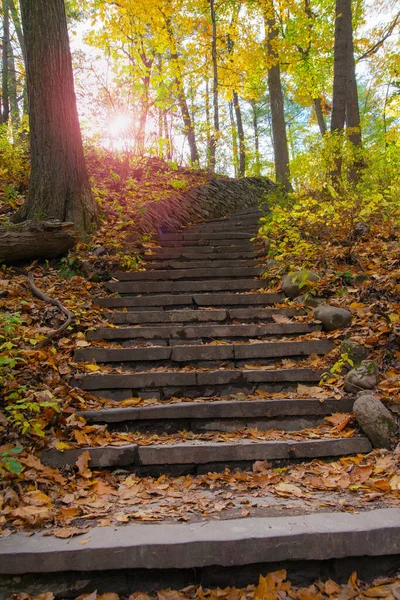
{"type": "Point", "coordinates": [272, 586]}
{"type": "Point", "coordinates": [352, 483]}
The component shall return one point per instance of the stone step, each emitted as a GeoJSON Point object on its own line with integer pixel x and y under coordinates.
{"type": "Point", "coordinates": [198, 316]}
{"type": "Point", "coordinates": [195, 383]}
{"type": "Point", "coordinates": [191, 274]}
{"type": "Point", "coordinates": [201, 264]}
{"type": "Point", "coordinates": [220, 415]}
{"type": "Point", "coordinates": [223, 352]}
{"type": "Point", "coordinates": [186, 286]}
{"type": "Point", "coordinates": [199, 452]}
{"type": "Point", "coordinates": [190, 235]}
{"type": "Point", "coordinates": [205, 242]}
{"type": "Point", "coordinates": [210, 332]}
{"type": "Point", "coordinates": [201, 253]}
{"type": "Point", "coordinates": [187, 300]}
{"type": "Point", "coordinates": [124, 553]}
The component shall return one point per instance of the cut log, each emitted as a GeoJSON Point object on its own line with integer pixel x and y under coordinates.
{"type": "Point", "coordinates": [35, 239]}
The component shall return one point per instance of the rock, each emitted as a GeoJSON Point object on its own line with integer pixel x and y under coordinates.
{"type": "Point", "coordinates": [332, 317]}
{"type": "Point", "coordinates": [355, 351]}
{"type": "Point", "coordinates": [309, 300]}
{"type": "Point", "coordinates": [299, 282]}
{"type": "Point", "coordinates": [376, 421]}
{"type": "Point", "coordinates": [363, 377]}
{"type": "Point", "coordinates": [361, 229]}
{"type": "Point", "coordinates": [360, 278]}
{"type": "Point", "coordinates": [99, 250]}
{"type": "Point", "coordinates": [396, 333]}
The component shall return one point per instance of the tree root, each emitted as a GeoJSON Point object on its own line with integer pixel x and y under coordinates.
{"type": "Point", "coordinates": [42, 296]}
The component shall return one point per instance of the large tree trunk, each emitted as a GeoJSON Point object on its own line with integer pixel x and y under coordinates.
{"type": "Point", "coordinates": [4, 75]}
{"type": "Point", "coordinates": [189, 129]}
{"type": "Point", "coordinates": [35, 240]}
{"type": "Point", "coordinates": [214, 136]}
{"type": "Point", "coordinates": [12, 87]}
{"type": "Point", "coordinates": [281, 151]}
{"type": "Point", "coordinates": [240, 130]}
{"type": "Point", "coordinates": [340, 64]}
{"type": "Point", "coordinates": [59, 186]}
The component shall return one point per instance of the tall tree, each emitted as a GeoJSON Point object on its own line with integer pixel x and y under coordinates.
{"type": "Point", "coordinates": [59, 185]}
{"type": "Point", "coordinates": [214, 136]}
{"type": "Point", "coordinates": [5, 95]}
{"type": "Point", "coordinates": [281, 152]}
{"type": "Point", "coordinates": [345, 96]}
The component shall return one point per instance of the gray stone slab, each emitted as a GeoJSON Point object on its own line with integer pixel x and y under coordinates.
{"type": "Point", "coordinates": [167, 316]}
{"type": "Point", "coordinates": [208, 253]}
{"type": "Point", "coordinates": [208, 452]}
{"type": "Point", "coordinates": [190, 332]}
{"type": "Point", "coordinates": [102, 457]}
{"type": "Point", "coordinates": [221, 409]}
{"type": "Point", "coordinates": [197, 264]}
{"type": "Point", "coordinates": [189, 286]}
{"type": "Point", "coordinates": [103, 355]}
{"type": "Point", "coordinates": [190, 235]}
{"type": "Point", "coordinates": [138, 380]}
{"type": "Point", "coordinates": [204, 241]}
{"type": "Point", "coordinates": [236, 299]}
{"type": "Point", "coordinates": [174, 274]}
{"type": "Point", "coordinates": [161, 300]}
{"type": "Point", "coordinates": [226, 543]}
{"type": "Point", "coordinates": [248, 314]}
{"type": "Point", "coordinates": [98, 381]}
{"type": "Point", "coordinates": [279, 349]}
{"type": "Point", "coordinates": [191, 353]}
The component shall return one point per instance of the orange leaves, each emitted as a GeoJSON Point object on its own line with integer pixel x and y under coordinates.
{"type": "Point", "coordinates": [82, 464]}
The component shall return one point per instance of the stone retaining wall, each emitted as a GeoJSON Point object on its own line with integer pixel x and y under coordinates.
{"type": "Point", "coordinates": [209, 201]}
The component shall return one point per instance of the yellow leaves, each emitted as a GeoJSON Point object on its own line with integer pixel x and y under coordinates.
{"type": "Point", "coordinates": [288, 489]}
{"type": "Point", "coordinates": [37, 498]}
{"type": "Point", "coordinates": [131, 401]}
{"type": "Point", "coordinates": [69, 532]}
{"type": "Point", "coordinates": [82, 464]}
{"type": "Point", "coordinates": [92, 367]}
{"type": "Point", "coordinates": [269, 586]}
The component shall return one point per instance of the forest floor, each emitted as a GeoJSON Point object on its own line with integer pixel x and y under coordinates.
{"type": "Point", "coordinates": [37, 406]}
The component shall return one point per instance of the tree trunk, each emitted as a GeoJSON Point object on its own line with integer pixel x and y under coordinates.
{"type": "Point", "coordinates": [239, 122]}
{"type": "Point", "coordinates": [234, 139]}
{"type": "Point", "coordinates": [5, 52]}
{"type": "Point", "coordinates": [59, 185]}
{"type": "Point", "coordinates": [320, 115]}
{"type": "Point", "coordinates": [35, 240]}
{"type": "Point", "coordinates": [208, 125]}
{"type": "Point", "coordinates": [189, 129]}
{"type": "Point", "coordinates": [12, 88]}
{"type": "Point", "coordinates": [214, 137]}
{"type": "Point", "coordinates": [281, 152]}
{"type": "Point", "coordinates": [256, 138]}
{"type": "Point", "coordinates": [352, 108]}
{"type": "Point", "coordinates": [340, 64]}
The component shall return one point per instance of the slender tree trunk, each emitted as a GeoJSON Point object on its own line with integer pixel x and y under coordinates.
{"type": "Point", "coordinates": [240, 130]}
{"type": "Point", "coordinates": [279, 136]}
{"type": "Point", "coordinates": [5, 64]}
{"type": "Point", "coordinates": [235, 149]}
{"type": "Point", "coordinates": [256, 137]}
{"type": "Point", "coordinates": [59, 186]}
{"type": "Point", "coordinates": [167, 136]}
{"type": "Point", "coordinates": [214, 137]}
{"type": "Point", "coordinates": [320, 115]}
{"type": "Point", "coordinates": [141, 134]}
{"type": "Point", "coordinates": [12, 87]}
{"type": "Point", "coordinates": [208, 124]}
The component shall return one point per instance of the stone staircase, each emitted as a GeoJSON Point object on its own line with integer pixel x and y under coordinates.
{"type": "Point", "coordinates": [196, 332]}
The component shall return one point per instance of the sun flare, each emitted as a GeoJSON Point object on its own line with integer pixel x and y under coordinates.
{"type": "Point", "coordinates": [119, 124]}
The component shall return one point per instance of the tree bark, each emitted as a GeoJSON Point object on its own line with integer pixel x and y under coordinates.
{"type": "Point", "coordinates": [256, 137]}
{"type": "Point", "coordinates": [12, 88]}
{"type": "Point", "coordinates": [214, 136]}
{"type": "Point", "coordinates": [279, 136]}
{"type": "Point", "coordinates": [240, 130]}
{"type": "Point", "coordinates": [4, 75]}
{"type": "Point", "coordinates": [59, 185]}
{"type": "Point", "coordinates": [340, 64]}
{"type": "Point", "coordinates": [35, 240]}
{"type": "Point", "coordinates": [235, 149]}
{"type": "Point", "coordinates": [320, 115]}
